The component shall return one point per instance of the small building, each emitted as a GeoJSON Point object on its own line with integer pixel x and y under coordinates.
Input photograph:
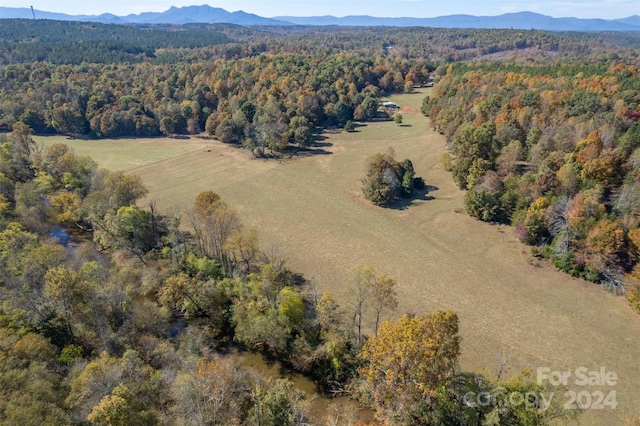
{"type": "Point", "coordinates": [390, 105]}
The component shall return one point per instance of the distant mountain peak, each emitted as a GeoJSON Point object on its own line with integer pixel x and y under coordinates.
{"type": "Point", "coordinates": [518, 20]}
{"type": "Point", "coordinates": [210, 15]}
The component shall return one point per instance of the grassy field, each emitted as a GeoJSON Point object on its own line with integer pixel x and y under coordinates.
{"type": "Point", "coordinates": [124, 154]}
{"type": "Point", "coordinates": [313, 210]}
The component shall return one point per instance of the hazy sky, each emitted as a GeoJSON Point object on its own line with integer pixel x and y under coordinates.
{"type": "Point", "coordinates": [606, 9]}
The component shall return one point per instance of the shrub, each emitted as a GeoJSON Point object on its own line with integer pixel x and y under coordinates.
{"type": "Point", "coordinates": [446, 161]}
{"type": "Point", "coordinates": [522, 233]}
{"type": "Point", "coordinates": [633, 296]}
{"type": "Point", "coordinates": [484, 205]}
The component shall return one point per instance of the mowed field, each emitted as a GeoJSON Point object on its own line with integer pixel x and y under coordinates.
{"type": "Point", "coordinates": [312, 209]}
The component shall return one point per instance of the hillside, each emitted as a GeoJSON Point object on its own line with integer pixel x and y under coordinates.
{"type": "Point", "coordinates": [521, 20]}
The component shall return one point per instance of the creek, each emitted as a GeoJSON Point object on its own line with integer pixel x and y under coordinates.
{"type": "Point", "coordinates": [319, 403]}
{"type": "Point", "coordinates": [68, 236]}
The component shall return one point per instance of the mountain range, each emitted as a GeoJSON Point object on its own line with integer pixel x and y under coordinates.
{"type": "Point", "coordinates": [208, 14]}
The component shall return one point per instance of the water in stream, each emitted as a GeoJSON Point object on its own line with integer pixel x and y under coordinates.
{"type": "Point", "coordinates": [320, 405]}
{"type": "Point", "coordinates": [60, 233]}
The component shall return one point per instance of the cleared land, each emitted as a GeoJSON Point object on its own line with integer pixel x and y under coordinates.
{"type": "Point", "coordinates": [313, 209]}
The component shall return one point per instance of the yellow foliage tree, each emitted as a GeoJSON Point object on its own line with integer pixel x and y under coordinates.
{"type": "Point", "coordinates": [408, 360]}
{"type": "Point", "coordinates": [112, 410]}
{"type": "Point", "coordinates": [606, 238]}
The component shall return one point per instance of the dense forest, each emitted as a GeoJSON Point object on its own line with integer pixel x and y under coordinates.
{"type": "Point", "coordinates": [141, 323]}
{"type": "Point", "coordinates": [269, 91]}
{"type": "Point", "coordinates": [60, 42]}
{"type": "Point", "coordinates": [260, 102]}
{"type": "Point", "coordinates": [552, 151]}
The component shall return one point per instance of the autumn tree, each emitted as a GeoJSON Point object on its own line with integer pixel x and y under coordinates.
{"type": "Point", "coordinates": [484, 200]}
{"type": "Point", "coordinates": [279, 404]}
{"type": "Point", "coordinates": [20, 154]}
{"type": "Point", "coordinates": [69, 171]}
{"type": "Point", "coordinates": [69, 291]}
{"type": "Point", "coordinates": [214, 222]}
{"type": "Point", "coordinates": [407, 361]}
{"type": "Point", "coordinates": [366, 291]}
{"type": "Point", "coordinates": [30, 391]}
{"type": "Point", "coordinates": [267, 309]}
{"type": "Point", "coordinates": [508, 158]}
{"type": "Point", "coordinates": [300, 128]}
{"type": "Point", "coordinates": [272, 129]}
{"type": "Point", "coordinates": [604, 241]}
{"type": "Point", "coordinates": [242, 246]}
{"type": "Point", "coordinates": [633, 296]}
{"type": "Point", "coordinates": [127, 403]}
{"type": "Point", "coordinates": [130, 229]}
{"type": "Point", "coordinates": [108, 192]}
{"type": "Point", "coordinates": [214, 391]}
{"type": "Point", "coordinates": [89, 385]}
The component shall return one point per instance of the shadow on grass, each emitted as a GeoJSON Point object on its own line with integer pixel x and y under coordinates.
{"type": "Point", "coordinates": [416, 91]}
{"type": "Point", "coordinates": [318, 138]}
{"type": "Point", "coordinates": [320, 145]}
{"type": "Point", "coordinates": [306, 152]}
{"type": "Point", "coordinates": [316, 148]}
{"type": "Point", "coordinates": [417, 195]}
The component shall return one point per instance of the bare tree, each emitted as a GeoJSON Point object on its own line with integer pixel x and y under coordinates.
{"type": "Point", "coordinates": [628, 201]}
{"type": "Point", "coordinates": [559, 225]}
{"type": "Point", "coordinates": [358, 296]}
{"type": "Point", "coordinates": [384, 297]}
{"type": "Point", "coordinates": [242, 246]}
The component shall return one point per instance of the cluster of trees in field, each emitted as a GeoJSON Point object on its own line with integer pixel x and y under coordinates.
{"type": "Point", "coordinates": [132, 330]}
{"type": "Point", "coordinates": [388, 180]}
{"type": "Point", "coordinates": [553, 152]}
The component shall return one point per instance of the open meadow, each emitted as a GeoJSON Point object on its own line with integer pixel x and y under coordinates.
{"type": "Point", "coordinates": [313, 210]}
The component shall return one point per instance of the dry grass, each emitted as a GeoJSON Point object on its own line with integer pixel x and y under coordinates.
{"type": "Point", "coordinates": [312, 208]}
{"type": "Point", "coordinates": [124, 154]}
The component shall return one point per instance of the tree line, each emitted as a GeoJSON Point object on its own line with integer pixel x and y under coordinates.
{"type": "Point", "coordinates": [552, 153]}
{"type": "Point", "coordinates": [267, 89]}
{"type": "Point", "coordinates": [265, 102]}
{"type": "Point", "coordinates": [26, 41]}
